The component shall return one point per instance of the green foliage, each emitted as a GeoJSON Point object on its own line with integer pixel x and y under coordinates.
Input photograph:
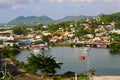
{"type": "Point", "coordinates": [62, 44]}
{"type": "Point", "coordinates": [56, 78]}
{"type": "Point", "coordinates": [31, 20]}
{"type": "Point", "coordinates": [9, 78]}
{"type": "Point", "coordinates": [115, 47]}
{"type": "Point", "coordinates": [15, 46]}
{"type": "Point", "coordinates": [114, 37]}
{"type": "Point", "coordinates": [53, 27]}
{"type": "Point", "coordinates": [9, 52]}
{"type": "Point", "coordinates": [46, 64]}
{"type": "Point", "coordinates": [107, 19]}
{"type": "Point", "coordinates": [93, 32]}
{"type": "Point", "coordinates": [47, 39]}
{"type": "Point", "coordinates": [67, 44]}
{"type": "Point", "coordinates": [91, 71]}
{"type": "Point", "coordinates": [21, 75]}
{"type": "Point", "coordinates": [38, 27]}
{"type": "Point", "coordinates": [75, 44]}
{"type": "Point", "coordinates": [84, 78]}
{"type": "Point", "coordinates": [110, 18]}
{"type": "Point", "coordinates": [81, 32]}
{"type": "Point", "coordinates": [114, 52]}
{"type": "Point", "coordinates": [69, 73]}
{"type": "Point", "coordinates": [20, 31]}
{"type": "Point", "coordinates": [21, 64]}
{"type": "Point", "coordinates": [1, 75]}
{"type": "Point", "coordinates": [81, 75]}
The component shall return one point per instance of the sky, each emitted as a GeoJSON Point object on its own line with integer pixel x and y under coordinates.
{"type": "Point", "coordinates": [55, 9]}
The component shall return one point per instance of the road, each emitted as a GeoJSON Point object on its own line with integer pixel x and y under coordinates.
{"type": "Point", "coordinates": [106, 77]}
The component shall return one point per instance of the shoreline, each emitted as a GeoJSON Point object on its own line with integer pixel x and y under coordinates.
{"type": "Point", "coordinates": [80, 45]}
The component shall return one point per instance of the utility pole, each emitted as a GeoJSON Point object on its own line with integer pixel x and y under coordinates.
{"type": "Point", "coordinates": [75, 76]}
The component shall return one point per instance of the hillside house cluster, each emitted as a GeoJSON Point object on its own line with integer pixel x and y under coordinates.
{"type": "Point", "coordinates": [61, 35]}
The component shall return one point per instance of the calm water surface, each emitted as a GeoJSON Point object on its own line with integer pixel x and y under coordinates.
{"type": "Point", "coordinates": [100, 59]}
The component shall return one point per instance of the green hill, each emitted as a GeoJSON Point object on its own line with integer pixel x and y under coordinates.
{"type": "Point", "coordinates": [111, 17]}
{"type": "Point", "coordinates": [114, 17]}
{"type": "Point", "coordinates": [70, 18]}
{"type": "Point", "coordinates": [31, 20]}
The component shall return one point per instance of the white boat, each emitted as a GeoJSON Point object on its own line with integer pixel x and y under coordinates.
{"type": "Point", "coordinates": [35, 50]}
{"type": "Point", "coordinates": [85, 49]}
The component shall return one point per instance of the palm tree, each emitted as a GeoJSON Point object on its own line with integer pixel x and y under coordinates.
{"type": "Point", "coordinates": [91, 71]}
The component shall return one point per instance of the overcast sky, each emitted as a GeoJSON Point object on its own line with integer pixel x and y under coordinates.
{"type": "Point", "coordinates": [55, 9]}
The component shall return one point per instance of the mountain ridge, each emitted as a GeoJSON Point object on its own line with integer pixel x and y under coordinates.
{"type": "Point", "coordinates": [33, 20]}
{"type": "Point", "coordinates": [43, 19]}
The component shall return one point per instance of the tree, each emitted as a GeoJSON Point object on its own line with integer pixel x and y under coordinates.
{"type": "Point", "coordinates": [38, 27]}
{"type": "Point", "coordinates": [81, 32]}
{"type": "Point", "coordinates": [20, 31]}
{"type": "Point", "coordinates": [91, 71]}
{"type": "Point", "coordinates": [117, 24]}
{"type": "Point", "coordinates": [45, 63]}
{"type": "Point", "coordinates": [47, 39]}
{"type": "Point", "coordinates": [115, 47]}
{"type": "Point", "coordinates": [115, 37]}
{"type": "Point", "coordinates": [53, 27]}
{"type": "Point", "coordinates": [93, 32]}
{"type": "Point", "coordinates": [9, 52]}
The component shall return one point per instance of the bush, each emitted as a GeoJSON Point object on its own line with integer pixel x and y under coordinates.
{"type": "Point", "coordinates": [69, 73]}
{"type": "Point", "coordinates": [56, 78]}
{"type": "Point", "coordinates": [62, 44]}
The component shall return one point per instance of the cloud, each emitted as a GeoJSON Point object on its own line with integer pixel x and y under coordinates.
{"type": "Point", "coordinates": [37, 8]}
{"type": "Point", "coordinates": [54, 1]}
{"type": "Point", "coordinates": [9, 3]}
{"type": "Point", "coordinates": [15, 1]}
{"type": "Point", "coordinates": [107, 0]}
{"type": "Point", "coordinates": [16, 7]}
{"type": "Point", "coordinates": [84, 1]}
{"type": "Point", "coordinates": [91, 1]}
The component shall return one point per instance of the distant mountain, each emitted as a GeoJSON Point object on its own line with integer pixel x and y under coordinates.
{"type": "Point", "coordinates": [31, 20]}
{"type": "Point", "coordinates": [68, 18]}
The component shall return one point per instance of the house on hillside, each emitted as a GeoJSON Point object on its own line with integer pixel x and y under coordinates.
{"type": "Point", "coordinates": [31, 35]}
{"type": "Point", "coordinates": [46, 33]}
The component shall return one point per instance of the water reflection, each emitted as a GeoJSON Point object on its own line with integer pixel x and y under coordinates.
{"type": "Point", "coordinates": [114, 52]}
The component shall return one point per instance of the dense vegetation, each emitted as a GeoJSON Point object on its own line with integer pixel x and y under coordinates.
{"type": "Point", "coordinates": [20, 31]}
{"type": "Point", "coordinates": [45, 63]}
{"type": "Point", "coordinates": [115, 17]}
{"type": "Point", "coordinates": [115, 45]}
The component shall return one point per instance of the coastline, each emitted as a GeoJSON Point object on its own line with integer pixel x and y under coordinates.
{"type": "Point", "coordinates": [93, 45]}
